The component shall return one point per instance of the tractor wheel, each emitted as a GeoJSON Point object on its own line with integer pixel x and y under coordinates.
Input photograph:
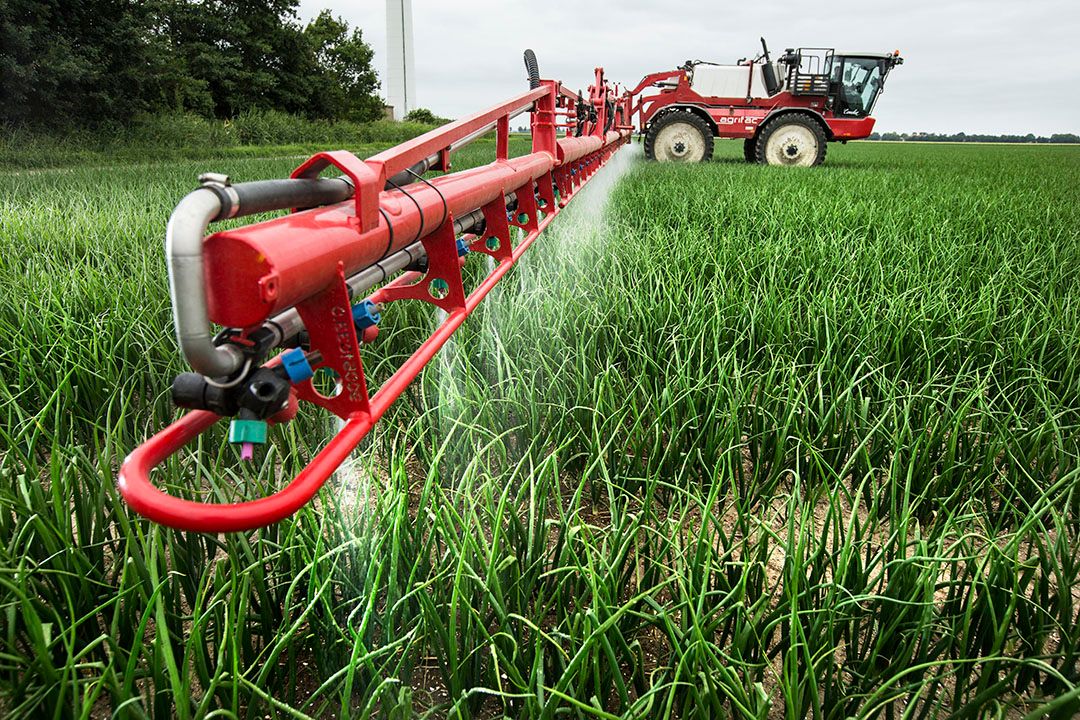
{"type": "Point", "coordinates": [792, 140]}
{"type": "Point", "coordinates": [749, 150]}
{"type": "Point", "coordinates": [679, 136]}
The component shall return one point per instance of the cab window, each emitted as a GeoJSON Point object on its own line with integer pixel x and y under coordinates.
{"type": "Point", "coordinates": [860, 82]}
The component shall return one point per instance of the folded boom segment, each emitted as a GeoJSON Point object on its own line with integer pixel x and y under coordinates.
{"type": "Point", "coordinates": [303, 283]}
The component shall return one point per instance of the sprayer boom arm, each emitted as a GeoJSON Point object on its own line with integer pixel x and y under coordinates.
{"type": "Point", "coordinates": [301, 281]}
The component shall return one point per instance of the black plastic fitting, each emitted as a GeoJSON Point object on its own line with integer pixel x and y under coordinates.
{"type": "Point", "coordinates": [258, 397]}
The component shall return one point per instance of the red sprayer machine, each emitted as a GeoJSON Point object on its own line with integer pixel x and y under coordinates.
{"type": "Point", "coordinates": [784, 111]}
{"type": "Point", "coordinates": [294, 295]}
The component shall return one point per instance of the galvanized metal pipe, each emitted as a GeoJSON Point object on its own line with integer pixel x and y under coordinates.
{"type": "Point", "coordinates": [218, 200]}
{"type": "Point", "coordinates": [183, 251]}
{"type": "Point", "coordinates": [288, 324]}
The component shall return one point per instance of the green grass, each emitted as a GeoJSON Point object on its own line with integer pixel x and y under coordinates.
{"type": "Point", "coordinates": [747, 442]}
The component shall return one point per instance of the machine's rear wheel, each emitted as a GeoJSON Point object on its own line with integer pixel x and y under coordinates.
{"type": "Point", "coordinates": [793, 141]}
{"type": "Point", "coordinates": [749, 150]}
{"type": "Point", "coordinates": [679, 136]}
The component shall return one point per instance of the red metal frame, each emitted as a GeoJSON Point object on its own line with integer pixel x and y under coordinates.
{"type": "Point", "coordinates": [301, 260]}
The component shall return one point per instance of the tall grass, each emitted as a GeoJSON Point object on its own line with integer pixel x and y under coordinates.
{"type": "Point", "coordinates": [741, 442]}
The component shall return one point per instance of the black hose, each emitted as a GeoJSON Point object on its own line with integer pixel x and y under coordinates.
{"type": "Point", "coordinates": [409, 175]}
{"type": "Point", "coordinates": [582, 114]}
{"type": "Point", "coordinates": [266, 195]}
{"type": "Point", "coordinates": [533, 68]}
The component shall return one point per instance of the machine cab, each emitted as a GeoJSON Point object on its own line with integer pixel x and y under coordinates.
{"type": "Point", "coordinates": [851, 82]}
{"type": "Point", "coordinates": [856, 81]}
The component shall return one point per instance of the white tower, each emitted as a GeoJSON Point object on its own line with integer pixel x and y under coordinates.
{"type": "Point", "coordinates": [400, 88]}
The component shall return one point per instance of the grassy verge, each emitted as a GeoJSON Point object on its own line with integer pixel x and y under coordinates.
{"type": "Point", "coordinates": [190, 137]}
{"type": "Point", "coordinates": [737, 442]}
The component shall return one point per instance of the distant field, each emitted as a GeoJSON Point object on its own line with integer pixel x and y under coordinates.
{"type": "Point", "coordinates": [973, 142]}
{"type": "Point", "coordinates": [732, 441]}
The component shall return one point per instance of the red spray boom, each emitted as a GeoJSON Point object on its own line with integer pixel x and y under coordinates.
{"type": "Point", "coordinates": [300, 282]}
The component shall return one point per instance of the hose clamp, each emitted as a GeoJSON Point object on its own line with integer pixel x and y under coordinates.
{"type": "Point", "coordinates": [221, 185]}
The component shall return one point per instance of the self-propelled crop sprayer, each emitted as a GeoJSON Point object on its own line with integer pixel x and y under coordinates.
{"type": "Point", "coordinates": [303, 282]}
{"type": "Point", "coordinates": [785, 111]}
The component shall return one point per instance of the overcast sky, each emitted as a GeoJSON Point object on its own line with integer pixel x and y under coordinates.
{"type": "Point", "coordinates": [987, 66]}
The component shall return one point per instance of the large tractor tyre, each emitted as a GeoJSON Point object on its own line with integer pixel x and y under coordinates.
{"type": "Point", "coordinates": [679, 136]}
{"type": "Point", "coordinates": [749, 150]}
{"type": "Point", "coordinates": [793, 141]}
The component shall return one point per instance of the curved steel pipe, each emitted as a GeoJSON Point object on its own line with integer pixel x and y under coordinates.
{"type": "Point", "coordinates": [217, 200]}
{"type": "Point", "coordinates": [183, 253]}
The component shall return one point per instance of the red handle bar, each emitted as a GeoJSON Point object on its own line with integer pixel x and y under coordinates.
{"type": "Point", "coordinates": [149, 501]}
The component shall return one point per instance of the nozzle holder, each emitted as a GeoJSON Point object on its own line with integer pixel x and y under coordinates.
{"type": "Point", "coordinates": [366, 314]}
{"type": "Point", "coordinates": [297, 366]}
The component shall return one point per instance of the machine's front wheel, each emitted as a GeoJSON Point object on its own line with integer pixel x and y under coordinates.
{"type": "Point", "coordinates": [749, 150]}
{"type": "Point", "coordinates": [793, 141]}
{"type": "Point", "coordinates": [679, 136]}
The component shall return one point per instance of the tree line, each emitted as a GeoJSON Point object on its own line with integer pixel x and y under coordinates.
{"type": "Point", "coordinates": [70, 64]}
{"type": "Point", "coordinates": [1066, 138]}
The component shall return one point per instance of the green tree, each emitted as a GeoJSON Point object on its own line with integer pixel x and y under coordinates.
{"type": "Point", "coordinates": [66, 63]}
{"type": "Point", "coordinates": [201, 71]}
{"type": "Point", "coordinates": [247, 54]}
{"type": "Point", "coordinates": [425, 116]}
{"type": "Point", "coordinates": [347, 84]}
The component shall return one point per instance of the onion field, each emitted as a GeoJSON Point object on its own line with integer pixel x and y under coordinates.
{"type": "Point", "coordinates": [730, 442]}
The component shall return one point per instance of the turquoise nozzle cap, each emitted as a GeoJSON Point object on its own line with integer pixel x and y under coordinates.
{"type": "Point", "coordinates": [247, 431]}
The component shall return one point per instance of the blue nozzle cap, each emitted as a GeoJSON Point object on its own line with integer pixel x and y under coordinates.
{"type": "Point", "coordinates": [462, 247]}
{"type": "Point", "coordinates": [296, 366]}
{"type": "Point", "coordinates": [365, 314]}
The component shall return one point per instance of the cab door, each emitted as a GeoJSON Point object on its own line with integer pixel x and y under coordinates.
{"type": "Point", "coordinates": [856, 84]}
